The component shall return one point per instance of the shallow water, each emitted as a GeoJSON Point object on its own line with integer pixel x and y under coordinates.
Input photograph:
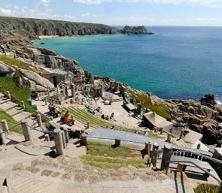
{"type": "Point", "coordinates": [176, 62]}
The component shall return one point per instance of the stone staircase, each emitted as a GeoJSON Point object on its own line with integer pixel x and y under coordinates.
{"type": "Point", "coordinates": [19, 114]}
{"type": "Point", "coordinates": [25, 182]}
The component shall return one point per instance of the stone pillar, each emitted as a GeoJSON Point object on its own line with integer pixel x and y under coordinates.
{"type": "Point", "coordinates": [66, 91]}
{"type": "Point", "coordinates": [47, 138]}
{"type": "Point", "coordinates": [63, 139]}
{"type": "Point", "coordinates": [5, 126]}
{"type": "Point", "coordinates": [58, 142]}
{"type": "Point", "coordinates": [2, 137]}
{"type": "Point", "coordinates": [117, 142]}
{"type": "Point", "coordinates": [9, 95]}
{"type": "Point", "coordinates": [181, 134]}
{"type": "Point", "coordinates": [83, 141]}
{"type": "Point", "coordinates": [168, 137]}
{"type": "Point", "coordinates": [23, 104]}
{"type": "Point", "coordinates": [39, 120]}
{"type": "Point", "coordinates": [66, 133]}
{"type": "Point", "coordinates": [154, 155]}
{"type": "Point", "coordinates": [148, 149]}
{"type": "Point", "coordinates": [167, 152]}
{"type": "Point", "coordinates": [26, 131]}
{"type": "Point", "coordinates": [73, 91]}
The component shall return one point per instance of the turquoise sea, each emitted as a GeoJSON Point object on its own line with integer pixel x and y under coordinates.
{"type": "Point", "coordinates": [176, 62]}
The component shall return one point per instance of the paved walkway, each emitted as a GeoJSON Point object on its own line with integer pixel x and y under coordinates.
{"type": "Point", "coordinates": [25, 182]}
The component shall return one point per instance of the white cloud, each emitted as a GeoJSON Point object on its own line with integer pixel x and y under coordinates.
{"type": "Point", "coordinates": [173, 2]}
{"type": "Point", "coordinates": [89, 2]}
{"type": "Point", "coordinates": [5, 11]}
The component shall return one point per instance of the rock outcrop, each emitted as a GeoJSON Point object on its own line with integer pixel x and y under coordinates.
{"type": "Point", "coordinates": [5, 69]}
{"type": "Point", "coordinates": [29, 29]}
{"type": "Point", "coordinates": [35, 81]}
{"type": "Point", "coordinates": [135, 30]}
{"type": "Point", "coordinates": [198, 117]}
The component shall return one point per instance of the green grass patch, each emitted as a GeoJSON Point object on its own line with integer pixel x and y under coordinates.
{"type": "Point", "coordinates": [83, 116]}
{"type": "Point", "coordinates": [13, 125]}
{"type": "Point", "coordinates": [17, 92]}
{"type": "Point", "coordinates": [105, 156]}
{"type": "Point", "coordinates": [207, 188]}
{"type": "Point", "coordinates": [145, 101]}
{"type": "Point", "coordinates": [20, 64]}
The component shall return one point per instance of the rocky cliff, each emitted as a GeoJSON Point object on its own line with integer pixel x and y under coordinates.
{"type": "Point", "coordinates": [26, 28]}
{"type": "Point", "coordinates": [135, 30]}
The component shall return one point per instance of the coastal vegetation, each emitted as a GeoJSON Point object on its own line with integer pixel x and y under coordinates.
{"type": "Point", "coordinates": [135, 30]}
{"type": "Point", "coordinates": [95, 122]}
{"type": "Point", "coordinates": [28, 29]}
{"type": "Point", "coordinates": [13, 125]}
{"type": "Point", "coordinates": [207, 188]}
{"type": "Point", "coordinates": [18, 93]}
{"type": "Point", "coordinates": [145, 101]}
{"type": "Point", "coordinates": [106, 157]}
{"type": "Point", "coordinates": [16, 63]}
{"type": "Point", "coordinates": [86, 117]}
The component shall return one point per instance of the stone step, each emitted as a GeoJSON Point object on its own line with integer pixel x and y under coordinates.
{"type": "Point", "coordinates": [15, 111]}
{"type": "Point", "coordinates": [8, 105]}
{"type": "Point", "coordinates": [23, 116]}
{"type": "Point", "coordinates": [3, 189]}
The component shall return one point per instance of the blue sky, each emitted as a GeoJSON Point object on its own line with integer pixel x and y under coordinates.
{"type": "Point", "coordinates": [120, 12]}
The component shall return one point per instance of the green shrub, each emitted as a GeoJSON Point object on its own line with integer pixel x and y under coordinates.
{"type": "Point", "coordinates": [206, 188]}
{"type": "Point", "coordinates": [145, 101]}
{"type": "Point", "coordinates": [17, 92]}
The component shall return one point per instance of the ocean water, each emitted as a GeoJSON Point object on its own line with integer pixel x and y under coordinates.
{"type": "Point", "coordinates": [176, 62]}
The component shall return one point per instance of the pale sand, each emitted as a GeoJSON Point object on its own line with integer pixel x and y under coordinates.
{"type": "Point", "coordinates": [48, 37]}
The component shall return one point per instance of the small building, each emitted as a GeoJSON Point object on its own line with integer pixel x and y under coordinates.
{"type": "Point", "coordinates": [153, 120]}
{"type": "Point", "coordinates": [130, 107]}
{"type": "Point", "coordinates": [55, 75]}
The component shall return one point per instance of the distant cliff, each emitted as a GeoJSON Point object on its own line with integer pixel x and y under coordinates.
{"type": "Point", "coordinates": [27, 28]}
{"type": "Point", "coordinates": [135, 30]}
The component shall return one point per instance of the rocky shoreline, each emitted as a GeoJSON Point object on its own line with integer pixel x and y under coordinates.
{"type": "Point", "coordinates": [203, 116]}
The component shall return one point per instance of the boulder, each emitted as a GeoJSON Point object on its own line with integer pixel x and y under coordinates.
{"type": "Point", "coordinates": [5, 69]}
{"type": "Point", "coordinates": [208, 100]}
{"type": "Point", "coordinates": [211, 132]}
{"type": "Point", "coordinates": [39, 80]}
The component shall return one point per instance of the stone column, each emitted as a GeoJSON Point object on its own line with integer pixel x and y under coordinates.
{"type": "Point", "coordinates": [9, 95]}
{"type": "Point", "coordinates": [23, 104]}
{"type": "Point", "coordinates": [26, 131]}
{"type": "Point", "coordinates": [5, 126]}
{"type": "Point", "coordinates": [148, 149]}
{"type": "Point", "coordinates": [167, 152]}
{"type": "Point", "coordinates": [73, 91]}
{"type": "Point", "coordinates": [66, 91]}
{"type": "Point", "coordinates": [39, 120]}
{"type": "Point", "coordinates": [58, 142]}
{"type": "Point", "coordinates": [2, 137]}
{"type": "Point", "coordinates": [117, 142]}
{"type": "Point", "coordinates": [181, 134]}
{"type": "Point", "coordinates": [47, 138]}
{"type": "Point", "coordinates": [168, 137]}
{"type": "Point", "coordinates": [63, 139]}
{"type": "Point", "coordinates": [154, 155]}
{"type": "Point", "coordinates": [66, 135]}
{"type": "Point", "coordinates": [83, 141]}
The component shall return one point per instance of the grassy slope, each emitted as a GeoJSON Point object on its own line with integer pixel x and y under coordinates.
{"type": "Point", "coordinates": [83, 116]}
{"type": "Point", "coordinates": [104, 156]}
{"type": "Point", "coordinates": [13, 125]}
{"type": "Point", "coordinates": [18, 92]}
{"type": "Point", "coordinates": [20, 64]}
{"type": "Point", "coordinates": [207, 188]}
{"type": "Point", "coordinates": [145, 100]}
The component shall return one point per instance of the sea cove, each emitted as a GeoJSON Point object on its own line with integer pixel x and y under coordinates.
{"type": "Point", "coordinates": [175, 62]}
